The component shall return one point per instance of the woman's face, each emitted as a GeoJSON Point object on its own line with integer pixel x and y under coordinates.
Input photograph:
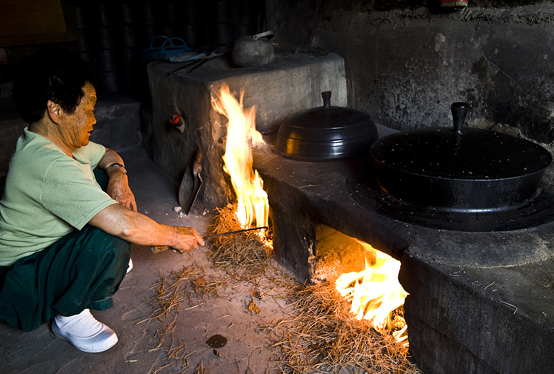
{"type": "Point", "coordinates": [78, 125]}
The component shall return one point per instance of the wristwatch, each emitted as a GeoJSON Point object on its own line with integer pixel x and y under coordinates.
{"type": "Point", "coordinates": [116, 164]}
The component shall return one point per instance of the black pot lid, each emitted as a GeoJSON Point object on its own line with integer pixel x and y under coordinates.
{"type": "Point", "coordinates": [326, 121]}
{"type": "Point", "coordinates": [460, 153]}
{"type": "Point", "coordinates": [325, 132]}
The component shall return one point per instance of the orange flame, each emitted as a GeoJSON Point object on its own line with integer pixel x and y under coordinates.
{"type": "Point", "coordinates": [375, 292]}
{"type": "Point", "coordinates": [253, 204]}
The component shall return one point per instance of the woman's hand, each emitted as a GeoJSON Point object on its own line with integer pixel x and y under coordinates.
{"type": "Point", "coordinates": [118, 189]}
{"type": "Point", "coordinates": [186, 239]}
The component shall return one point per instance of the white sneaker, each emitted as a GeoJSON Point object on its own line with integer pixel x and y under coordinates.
{"type": "Point", "coordinates": [84, 332]}
{"type": "Point", "coordinates": [130, 267]}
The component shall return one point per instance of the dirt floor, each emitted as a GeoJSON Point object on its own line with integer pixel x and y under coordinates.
{"type": "Point", "coordinates": [222, 309]}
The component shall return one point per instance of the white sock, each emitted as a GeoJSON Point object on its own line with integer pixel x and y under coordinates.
{"type": "Point", "coordinates": [79, 325]}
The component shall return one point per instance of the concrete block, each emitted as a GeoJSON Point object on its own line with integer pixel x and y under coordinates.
{"type": "Point", "coordinates": [118, 124]}
{"type": "Point", "coordinates": [495, 320]}
{"type": "Point", "coordinates": [294, 242]}
{"type": "Point", "coordinates": [276, 90]}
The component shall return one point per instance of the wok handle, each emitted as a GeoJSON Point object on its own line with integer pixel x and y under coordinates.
{"type": "Point", "coordinates": [326, 95]}
{"type": "Point", "coordinates": [459, 112]}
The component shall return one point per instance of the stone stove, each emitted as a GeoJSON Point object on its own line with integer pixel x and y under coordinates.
{"type": "Point", "coordinates": [480, 302]}
{"type": "Point", "coordinates": [276, 90]}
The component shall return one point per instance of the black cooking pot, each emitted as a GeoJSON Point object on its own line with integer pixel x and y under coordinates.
{"type": "Point", "coordinates": [326, 132]}
{"type": "Point", "coordinates": [460, 169]}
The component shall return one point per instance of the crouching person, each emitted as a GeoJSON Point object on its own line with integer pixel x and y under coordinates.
{"type": "Point", "coordinates": [64, 241]}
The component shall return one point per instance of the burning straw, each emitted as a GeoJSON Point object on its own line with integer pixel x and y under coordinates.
{"type": "Point", "coordinates": [321, 336]}
{"type": "Point", "coordinates": [244, 255]}
{"type": "Point", "coordinates": [324, 337]}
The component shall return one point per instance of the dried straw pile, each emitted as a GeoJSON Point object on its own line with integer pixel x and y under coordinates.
{"type": "Point", "coordinates": [325, 338]}
{"type": "Point", "coordinates": [242, 255]}
{"type": "Point", "coordinates": [321, 336]}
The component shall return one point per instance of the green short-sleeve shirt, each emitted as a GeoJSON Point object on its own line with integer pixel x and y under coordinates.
{"type": "Point", "coordinates": [47, 195]}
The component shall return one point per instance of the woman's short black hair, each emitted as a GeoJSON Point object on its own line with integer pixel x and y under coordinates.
{"type": "Point", "coordinates": [50, 74]}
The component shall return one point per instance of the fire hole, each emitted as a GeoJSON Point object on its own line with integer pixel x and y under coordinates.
{"type": "Point", "coordinates": [366, 277]}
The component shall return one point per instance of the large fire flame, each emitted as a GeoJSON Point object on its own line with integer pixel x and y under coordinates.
{"type": "Point", "coordinates": [375, 292]}
{"type": "Point", "coordinates": [252, 200]}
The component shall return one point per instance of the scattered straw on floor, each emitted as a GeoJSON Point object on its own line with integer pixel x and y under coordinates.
{"type": "Point", "coordinates": [324, 337]}
{"type": "Point", "coordinates": [321, 336]}
{"type": "Point", "coordinates": [200, 369]}
{"type": "Point", "coordinates": [190, 285]}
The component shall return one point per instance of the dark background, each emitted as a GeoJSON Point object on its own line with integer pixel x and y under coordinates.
{"type": "Point", "coordinates": [406, 61]}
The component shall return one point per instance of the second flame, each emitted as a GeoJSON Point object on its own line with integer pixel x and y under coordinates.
{"type": "Point", "coordinates": [374, 292]}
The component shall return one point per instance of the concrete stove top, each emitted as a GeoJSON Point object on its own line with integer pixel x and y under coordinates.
{"type": "Point", "coordinates": [485, 298]}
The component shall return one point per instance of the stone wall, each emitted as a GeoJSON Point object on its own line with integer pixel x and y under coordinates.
{"type": "Point", "coordinates": [406, 62]}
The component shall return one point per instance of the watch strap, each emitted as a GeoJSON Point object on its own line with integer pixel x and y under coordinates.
{"type": "Point", "coordinates": [116, 164]}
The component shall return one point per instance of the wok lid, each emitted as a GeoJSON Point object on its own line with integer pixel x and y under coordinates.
{"type": "Point", "coordinates": [326, 132]}
{"type": "Point", "coordinates": [460, 169]}
{"type": "Point", "coordinates": [460, 153]}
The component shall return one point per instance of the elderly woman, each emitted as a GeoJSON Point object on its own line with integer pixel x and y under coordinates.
{"type": "Point", "coordinates": [64, 241]}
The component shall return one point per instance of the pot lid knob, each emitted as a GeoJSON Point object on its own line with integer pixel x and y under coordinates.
{"type": "Point", "coordinates": [459, 112]}
{"type": "Point", "coordinates": [326, 95]}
